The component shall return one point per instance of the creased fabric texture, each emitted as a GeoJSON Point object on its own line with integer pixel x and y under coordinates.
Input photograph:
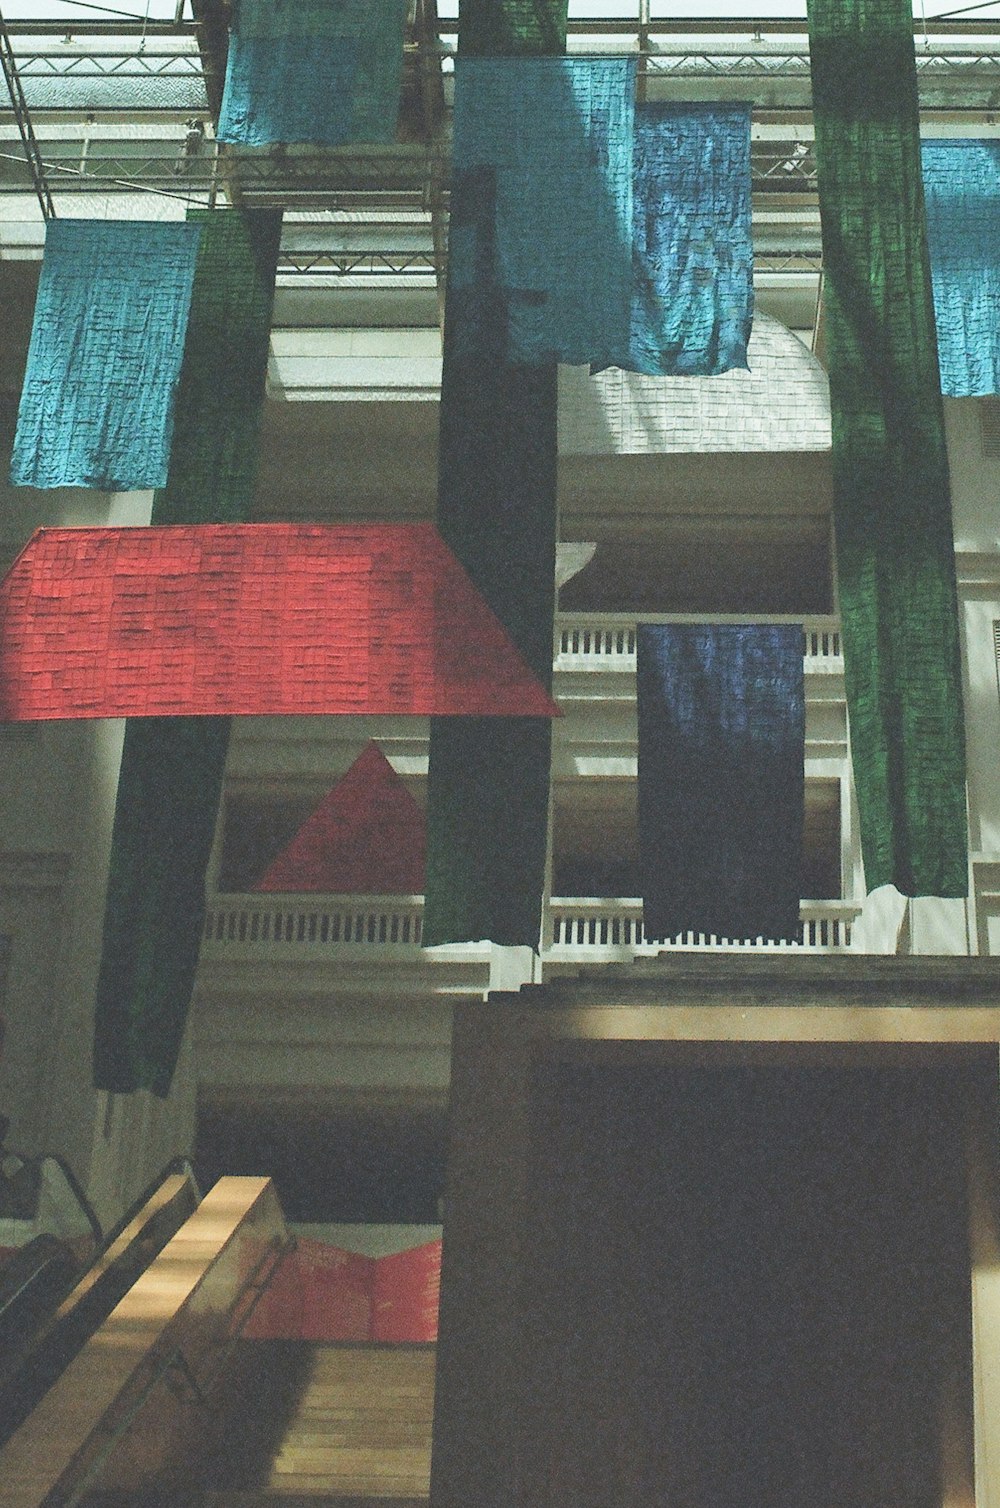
{"type": "Point", "coordinates": [692, 257]}
{"type": "Point", "coordinates": [220, 398]}
{"type": "Point", "coordinates": [172, 769]}
{"type": "Point", "coordinates": [552, 137]}
{"type": "Point", "coordinates": [892, 508]}
{"type": "Point", "coordinates": [962, 196]}
{"type": "Point", "coordinates": [508, 28]}
{"type": "Point", "coordinates": [488, 779]}
{"type": "Point", "coordinates": [97, 405]}
{"type": "Point", "coordinates": [721, 778]}
{"type": "Point", "coordinates": [323, 71]}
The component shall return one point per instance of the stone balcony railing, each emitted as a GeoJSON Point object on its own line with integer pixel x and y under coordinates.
{"type": "Point", "coordinates": [606, 641]}
{"type": "Point", "coordinates": [262, 928]}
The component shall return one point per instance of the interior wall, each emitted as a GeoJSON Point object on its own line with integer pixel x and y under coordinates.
{"type": "Point", "coordinates": [745, 1287]}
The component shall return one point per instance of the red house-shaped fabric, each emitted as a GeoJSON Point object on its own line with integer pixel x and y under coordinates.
{"type": "Point", "coordinates": [240, 619]}
{"type": "Point", "coordinates": [366, 837]}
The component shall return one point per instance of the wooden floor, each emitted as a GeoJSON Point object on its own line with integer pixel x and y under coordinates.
{"type": "Point", "coordinates": [341, 1421]}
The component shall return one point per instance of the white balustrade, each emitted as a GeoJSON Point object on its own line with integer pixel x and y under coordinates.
{"type": "Point", "coordinates": [606, 641]}
{"type": "Point", "coordinates": [276, 927]}
{"type": "Point", "coordinates": [613, 928]}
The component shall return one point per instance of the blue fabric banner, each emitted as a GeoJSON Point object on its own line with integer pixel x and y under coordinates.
{"type": "Point", "coordinates": [554, 138]}
{"type": "Point", "coordinates": [692, 289]}
{"type": "Point", "coordinates": [721, 778]}
{"type": "Point", "coordinates": [97, 406]}
{"type": "Point", "coordinates": [962, 198]}
{"type": "Point", "coordinates": [323, 71]}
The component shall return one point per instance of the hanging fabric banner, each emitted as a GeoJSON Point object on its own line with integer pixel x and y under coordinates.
{"type": "Point", "coordinates": [97, 405]}
{"type": "Point", "coordinates": [367, 837]}
{"type": "Point", "coordinates": [172, 769]}
{"type": "Point", "coordinates": [892, 508]}
{"type": "Point", "coordinates": [962, 194]}
{"type": "Point", "coordinates": [252, 620]}
{"type": "Point", "coordinates": [721, 779]}
{"type": "Point", "coordinates": [213, 463]}
{"type": "Point", "coordinates": [692, 274]}
{"type": "Point", "coordinates": [168, 797]}
{"type": "Point", "coordinates": [511, 28]}
{"type": "Point", "coordinates": [548, 141]}
{"type": "Point", "coordinates": [488, 781]}
{"type": "Point", "coordinates": [312, 71]}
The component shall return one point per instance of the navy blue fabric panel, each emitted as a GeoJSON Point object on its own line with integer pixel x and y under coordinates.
{"type": "Point", "coordinates": [692, 289]}
{"type": "Point", "coordinates": [97, 406]}
{"type": "Point", "coordinates": [554, 138]}
{"type": "Point", "coordinates": [721, 778]}
{"type": "Point", "coordinates": [962, 198]}
{"type": "Point", "coordinates": [329, 74]}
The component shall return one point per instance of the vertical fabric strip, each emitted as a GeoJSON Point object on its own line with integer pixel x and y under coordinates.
{"type": "Point", "coordinates": [97, 406]}
{"type": "Point", "coordinates": [488, 779]}
{"type": "Point", "coordinates": [962, 194]}
{"type": "Point", "coordinates": [213, 463]}
{"type": "Point", "coordinates": [172, 768]}
{"type": "Point", "coordinates": [308, 72]}
{"type": "Point", "coordinates": [549, 141]}
{"type": "Point", "coordinates": [512, 28]}
{"type": "Point", "coordinates": [692, 275]}
{"type": "Point", "coordinates": [721, 778]}
{"type": "Point", "coordinates": [892, 509]}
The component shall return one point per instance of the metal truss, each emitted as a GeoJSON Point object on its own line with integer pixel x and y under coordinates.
{"type": "Point", "coordinates": [22, 115]}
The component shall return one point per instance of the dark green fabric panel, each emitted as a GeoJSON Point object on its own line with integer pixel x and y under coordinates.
{"type": "Point", "coordinates": [488, 778]}
{"type": "Point", "coordinates": [172, 769]}
{"type": "Point", "coordinates": [506, 28]}
{"type": "Point", "coordinates": [892, 508]}
{"type": "Point", "coordinates": [168, 796]}
{"type": "Point", "coordinates": [213, 461]}
{"type": "Point", "coordinates": [487, 823]}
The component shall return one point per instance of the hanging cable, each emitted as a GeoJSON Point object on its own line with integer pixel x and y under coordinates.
{"type": "Point", "coordinates": [23, 117]}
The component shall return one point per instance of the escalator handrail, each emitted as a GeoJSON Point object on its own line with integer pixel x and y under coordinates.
{"type": "Point", "coordinates": [180, 1164]}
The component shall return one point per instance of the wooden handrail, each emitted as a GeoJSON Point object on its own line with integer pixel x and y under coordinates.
{"type": "Point", "coordinates": [111, 1420]}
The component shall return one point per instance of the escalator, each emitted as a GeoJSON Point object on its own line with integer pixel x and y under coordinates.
{"type": "Point", "coordinates": [56, 1292]}
{"type": "Point", "coordinates": [163, 1397]}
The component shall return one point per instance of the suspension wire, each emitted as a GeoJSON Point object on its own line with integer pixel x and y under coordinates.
{"type": "Point", "coordinates": [22, 115]}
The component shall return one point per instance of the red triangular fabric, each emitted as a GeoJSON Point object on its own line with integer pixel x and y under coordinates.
{"type": "Point", "coordinates": [366, 837]}
{"type": "Point", "coordinates": [241, 619]}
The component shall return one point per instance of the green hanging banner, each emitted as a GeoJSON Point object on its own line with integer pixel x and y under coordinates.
{"type": "Point", "coordinates": [892, 507]}
{"type": "Point", "coordinates": [172, 768]}
{"type": "Point", "coordinates": [488, 778]}
{"type": "Point", "coordinates": [510, 28]}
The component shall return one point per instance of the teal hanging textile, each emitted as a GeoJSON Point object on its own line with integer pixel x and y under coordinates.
{"type": "Point", "coordinates": [962, 194]}
{"type": "Point", "coordinates": [172, 768]}
{"type": "Point", "coordinates": [508, 28]}
{"type": "Point", "coordinates": [97, 406]}
{"type": "Point", "coordinates": [550, 141]}
{"type": "Point", "coordinates": [895, 552]}
{"type": "Point", "coordinates": [721, 778]}
{"type": "Point", "coordinates": [313, 71]}
{"type": "Point", "coordinates": [692, 257]}
{"type": "Point", "coordinates": [488, 779]}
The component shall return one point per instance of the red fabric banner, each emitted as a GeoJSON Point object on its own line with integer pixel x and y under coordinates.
{"type": "Point", "coordinates": [321, 1292]}
{"type": "Point", "coordinates": [244, 619]}
{"type": "Point", "coordinates": [367, 837]}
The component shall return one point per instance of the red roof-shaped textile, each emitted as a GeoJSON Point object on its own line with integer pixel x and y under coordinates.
{"type": "Point", "coordinates": [366, 837]}
{"type": "Point", "coordinates": [252, 618]}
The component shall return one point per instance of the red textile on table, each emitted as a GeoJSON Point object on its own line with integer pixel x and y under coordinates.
{"type": "Point", "coordinates": [321, 1292]}
{"type": "Point", "coordinates": [367, 837]}
{"type": "Point", "coordinates": [237, 619]}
